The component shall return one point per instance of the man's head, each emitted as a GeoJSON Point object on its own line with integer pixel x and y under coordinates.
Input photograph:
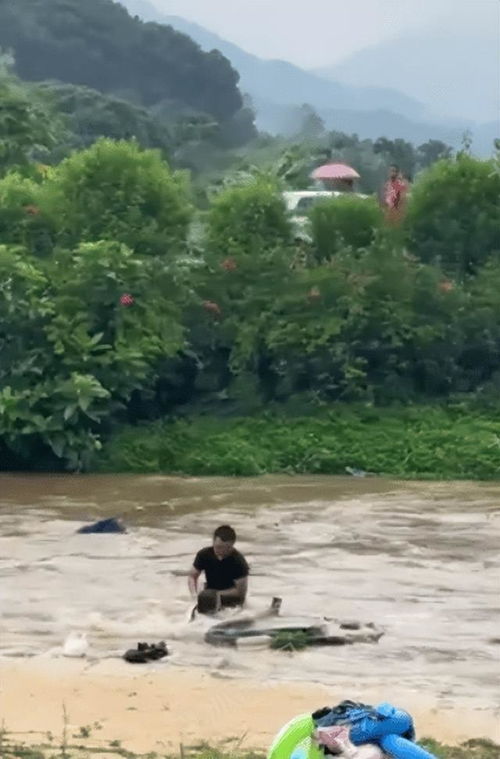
{"type": "Point", "coordinates": [224, 540]}
{"type": "Point", "coordinates": [207, 602]}
{"type": "Point", "coordinates": [393, 172]}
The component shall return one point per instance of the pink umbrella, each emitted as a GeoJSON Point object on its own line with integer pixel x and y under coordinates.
{"type": "Point", "coordinates": [335, 171]}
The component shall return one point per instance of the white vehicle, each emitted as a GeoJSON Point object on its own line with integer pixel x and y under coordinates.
{"type": "Point", "coordinates": [300, 202]}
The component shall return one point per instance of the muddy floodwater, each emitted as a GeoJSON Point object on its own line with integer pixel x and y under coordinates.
{"type": "Point", "coordinates": [421, 560]}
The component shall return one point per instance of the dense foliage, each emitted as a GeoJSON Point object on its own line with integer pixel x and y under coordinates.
{"type": "Point", "coordinates": [211, 149]}
{"type": "Point", "coordinates": [97, 44]}
{"type": "Point", "coordinates": [119, 306]}
{"type": "Point", "coordinates": [248, 220]}
{"type": "Point", "coordinates": [116, 191]}
{"type": "Point", "coordinates": [344, 221]}
{"type": "Point", "coordinates": [292, 159]}
{"type": "Point", "coordinates": [90, 115]}
{"type": "Point", "coordinates": [454, 217]}
{"type": "Point", "coordinates": [72, 352]}
{"type": "Point", "coordinates": [27, 125]}
{"type": "Point", "coordinates": [414, 442]}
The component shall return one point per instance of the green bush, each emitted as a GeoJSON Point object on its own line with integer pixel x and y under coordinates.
{"type": "Point", "coordinates": [248, 219]}
{"type": "Point", "coordinates": [453, 216]}
{"type": "Point", "coordinates": [117, 191]}
{"type": "Point", "coordinates": [247, 258]}
{"type": "Point", "coordinates": [103, 322]}
{"type": "Point", "coordinates": [420, 442]}
{"type": "Point", "coordinates": [22, 221]}
{"type": "Point", "coordinates": [72, 352]}
{"type": "Point", "coordinates": [344, 221]}
{"type": "Point", "coordinates": [376, 328]}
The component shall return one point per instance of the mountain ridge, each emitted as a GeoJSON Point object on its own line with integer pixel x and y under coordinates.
{"type": "Point", "coordinates": [445, 79]}
{"type": "Point", "coordinates": [271, 79]}
{"type": "Point", "coordinates": [278, 88]}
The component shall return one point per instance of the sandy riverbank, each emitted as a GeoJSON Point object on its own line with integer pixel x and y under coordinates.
{"type": "Point", "coordinates": [158, 708]}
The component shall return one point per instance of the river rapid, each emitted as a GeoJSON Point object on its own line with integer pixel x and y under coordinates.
{"type": "Point", "coordinates": [419, 559]}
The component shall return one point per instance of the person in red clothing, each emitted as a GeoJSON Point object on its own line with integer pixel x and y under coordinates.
{"type": "Point", "coordinates": [393, 188]}
{"type": "Point", "coordinates": [405, 181]}
{"type": "Point", "coordinates": [395, 191]}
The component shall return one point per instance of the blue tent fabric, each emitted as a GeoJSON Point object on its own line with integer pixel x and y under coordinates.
{"type": "Point", "coordinates": [390, 733]}
{"type": "Point", "coordinates": [391, 728]}
{"type": "Point", "coordinates": [346, 713]}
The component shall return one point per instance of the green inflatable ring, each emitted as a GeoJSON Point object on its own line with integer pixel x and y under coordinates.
{"type": "Point", "coordinates": [297, 734]}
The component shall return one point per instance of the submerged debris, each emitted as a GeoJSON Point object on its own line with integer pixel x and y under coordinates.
{"type": "Point", "coordinates": [103, 526]}
{"type": "Point", "coordinates": [289, 633]}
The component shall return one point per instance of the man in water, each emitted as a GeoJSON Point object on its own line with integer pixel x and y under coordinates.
{"type": "Point", "coordinates": [226, 573]}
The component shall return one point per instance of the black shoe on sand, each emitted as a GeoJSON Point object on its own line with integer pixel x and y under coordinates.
{"type": "Point", "coordinates": [146, 652]}
{"type": "Point", "coordinates": [158, 651]}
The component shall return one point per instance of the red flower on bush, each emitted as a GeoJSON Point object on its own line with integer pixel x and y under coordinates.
{"type": "Point", "coordinates": [32, 210]}
{"type": "Point", "coordinates": [127, 300]}
{"type": "Point", "coordinates": [211, 307]}
{"type": "Point", "coordinates": [229, 264]}
{"type": "Point", "coordinates": [446, 286]}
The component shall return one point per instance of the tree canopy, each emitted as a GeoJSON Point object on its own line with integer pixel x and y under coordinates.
{"type": "Point", "coordinates": [90, 115]}
{"type": "Point", "coordinates": [97, 44]}
{"type": "Point", "coordinates": [28, 123]}
{"type": "Point", "coordinates": [115, 307]}
{"type": "Point", "coordinates": [107, 316]}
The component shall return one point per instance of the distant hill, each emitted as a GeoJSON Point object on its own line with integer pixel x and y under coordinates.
{"type": "Point", "coordinates": [277, 87]}
{"type": "Point", "coordinates": [281, 82]}
{"type": "Point", "coordinates": [96, 43]}
{"type": "Point", "coordinates": [455, 75]}
{"type": "Point", "coordinates": [374, 124]}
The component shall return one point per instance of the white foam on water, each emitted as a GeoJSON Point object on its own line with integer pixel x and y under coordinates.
{"type": "Point", "coordinates": [419, 560]}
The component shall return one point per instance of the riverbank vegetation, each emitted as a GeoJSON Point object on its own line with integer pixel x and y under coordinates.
{"type": "Point", "coordinates": [79, 747]}
{"type": "Point", "coordinates": [198, 333]}
{"type": "Point", "coordinates": [421, 442]}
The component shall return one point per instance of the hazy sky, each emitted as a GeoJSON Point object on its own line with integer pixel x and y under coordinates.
{"type": "Point", "coordinates": [318, 32]}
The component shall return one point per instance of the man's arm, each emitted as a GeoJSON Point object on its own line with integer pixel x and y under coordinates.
{"type": "Point", "coordinates": [193, 581]}
{"type": "Point", "coordinates": [239, 590]}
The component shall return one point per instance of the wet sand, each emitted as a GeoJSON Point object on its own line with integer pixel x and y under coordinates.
{"type": "Point", "coordinates": [158, 707]}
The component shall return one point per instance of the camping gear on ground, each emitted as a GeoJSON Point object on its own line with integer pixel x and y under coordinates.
{"type": "Point", "coordinates": [336, 742]}
{"type": "Point", "coordinates": [389, 729]}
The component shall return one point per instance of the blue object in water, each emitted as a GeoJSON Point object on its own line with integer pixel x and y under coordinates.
{"type": "Point", "coordinates": [104, 526]}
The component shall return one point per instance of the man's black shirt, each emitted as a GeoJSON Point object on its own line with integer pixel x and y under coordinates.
{"type": "Point", "coordinates": [221, 574]}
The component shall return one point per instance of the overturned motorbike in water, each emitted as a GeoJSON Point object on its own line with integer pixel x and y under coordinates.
{"type": "Point", "coordinates": [271, 630]}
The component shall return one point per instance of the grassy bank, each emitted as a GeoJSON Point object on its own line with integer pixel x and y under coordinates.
{"type": "Point", "coordinates": [474, 749]}
{"type": "Point", "coordinates": [451, 442]}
